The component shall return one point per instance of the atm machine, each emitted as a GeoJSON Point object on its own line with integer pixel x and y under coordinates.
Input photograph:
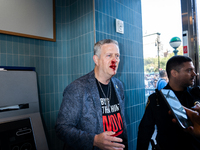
{"type": "Point", "coordinates": [21, 126]}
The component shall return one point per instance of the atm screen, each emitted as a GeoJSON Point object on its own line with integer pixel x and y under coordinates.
{"type": "Point", "coordinates": [17, 135]}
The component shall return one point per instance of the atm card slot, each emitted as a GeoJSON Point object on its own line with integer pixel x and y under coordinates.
{"type": "Point", "coordinates": [14, 107]}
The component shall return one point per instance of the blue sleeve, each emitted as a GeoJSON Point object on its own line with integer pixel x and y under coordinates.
{"type": "Point", "coordinates": [162, 84]}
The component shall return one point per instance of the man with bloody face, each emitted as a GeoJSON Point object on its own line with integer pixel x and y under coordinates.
{"type": "Point", "coordinates": [91, 115]}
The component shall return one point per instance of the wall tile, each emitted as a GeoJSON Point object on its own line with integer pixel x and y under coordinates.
{"type": "Point", "coordinates": [59, 63]}
{"type": "Point", "coordinates": [130, 70]}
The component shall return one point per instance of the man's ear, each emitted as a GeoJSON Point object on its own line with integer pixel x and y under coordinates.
{"type": "Point", "coordinates": [96, 58]}
{"type": "Point", "coordinates": [174, 73]}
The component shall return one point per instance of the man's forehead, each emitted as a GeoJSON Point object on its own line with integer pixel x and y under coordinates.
{"type": "Point", "coordinates": [188, 64]}
{"type": "Point", "coordinates": [110, 47]}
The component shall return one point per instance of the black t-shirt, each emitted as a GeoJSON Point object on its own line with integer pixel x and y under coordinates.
{"type": "Point", "coordinates": [112, 120]}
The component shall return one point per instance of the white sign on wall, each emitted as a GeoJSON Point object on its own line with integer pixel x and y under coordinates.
{"type": "Point", "coordinates": [119, 26]}
{"type": "Point", "coordinates": [185, 43]}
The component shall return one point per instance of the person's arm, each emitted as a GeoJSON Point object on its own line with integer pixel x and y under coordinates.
{"type": "Point", "coordinates": [68, 118]}
{"type": "Point", "coordinates": [146, 128]}
{"type": "Point", "coordinates": [195, 118]}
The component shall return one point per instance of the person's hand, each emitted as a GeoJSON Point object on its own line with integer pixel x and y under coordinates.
{"type": "Point", "coordinates": [195, 118]}
{"type": "Point", "coordinates": [173, 120]}
{"type": "Point", "coordinates": [106, 141]}
{"type": "Point", "coordinates": [196, 108]}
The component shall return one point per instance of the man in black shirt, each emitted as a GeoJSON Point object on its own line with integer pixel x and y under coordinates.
{"type": "Point", "coordinates": [181, 74]}
{"type": "Point", "coordinates": [91, 116]}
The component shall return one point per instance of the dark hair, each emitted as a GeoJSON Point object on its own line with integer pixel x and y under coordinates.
{"type": "Point", "coordinates": [162, 73]}
{"type": "Point", "coordinates": [176, 63]}
{"type": "Point", "coordinates": [97, 46]}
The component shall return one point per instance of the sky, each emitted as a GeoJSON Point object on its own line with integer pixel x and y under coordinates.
{"type": "Point", "coordinates": [163, 16]}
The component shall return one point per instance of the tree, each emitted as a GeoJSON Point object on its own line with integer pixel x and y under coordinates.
{"type": "Point", "coordinates": [151, 64]}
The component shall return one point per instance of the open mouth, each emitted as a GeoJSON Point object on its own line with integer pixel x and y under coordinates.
{"type": "Point", "coordinates": [113, 67]}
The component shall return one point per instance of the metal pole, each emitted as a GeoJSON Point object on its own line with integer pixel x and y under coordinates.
{"type": "Point", "coordinates": [158, 45]}
{"type": "Point", "coordinates": [175, 51]}
{"type": "Point", "coordinates": [158, 41]}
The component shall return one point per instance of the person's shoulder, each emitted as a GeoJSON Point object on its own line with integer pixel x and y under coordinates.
{"type": "Point", "coordinates": [151, 103]}
{"type": "Point", "coordinates": [116, 79]}
{"type": "Point", "coordinates": [79, 85]}
{"type": "Point", "coordinates": [117, 82]}
{"type": "Point", "coordinates": [85, 77]}
{"type": "Point", "coordinates": [153, 96]}
{"type": "Point", "coordinates": [194, 91]}
{"type": "Point", "coordinates": [82, 81]}
{"type": "Point", "coordinates": [162, 81]}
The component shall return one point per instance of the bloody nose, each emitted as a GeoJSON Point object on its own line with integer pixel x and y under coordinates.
{"type": "Point", "coordinates": [113, 62]}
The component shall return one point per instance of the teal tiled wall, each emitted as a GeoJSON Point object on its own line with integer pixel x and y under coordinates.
{"type": "Point", "coordinates": [131, 68]}
{"type": "Point", "coordinates": [59, 63]}
{"type": "Point", "coordinates": [75, 40]}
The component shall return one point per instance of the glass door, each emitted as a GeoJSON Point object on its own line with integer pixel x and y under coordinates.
{"type": "Point", "coordinates": [161, 22]}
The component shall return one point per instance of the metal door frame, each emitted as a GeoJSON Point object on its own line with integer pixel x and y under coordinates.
{"type": "Point", "coordinates": [190, 24]}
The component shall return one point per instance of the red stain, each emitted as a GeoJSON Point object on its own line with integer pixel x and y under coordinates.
{"type": "Point", "coordinates": [113, 64]}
